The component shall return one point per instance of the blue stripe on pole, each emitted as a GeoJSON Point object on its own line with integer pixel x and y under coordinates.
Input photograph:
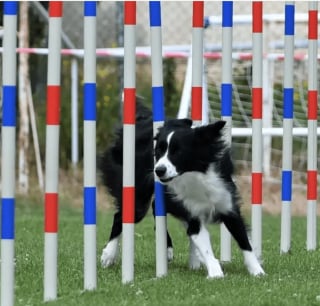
{"type": "Point", "coordinates": [10, 8]}
{"type": "Point", "coordinates": [157, 103]}
{"type": "Point", "coordinates": [226, 99]}
{"type": "Point", "coordinates": [90, 8]}
{"type": "Point", "coordinates": [9, 106]}
{"type": "Point", "coordinates": [286, 185]}
{"type": "Point", "coordinates": [155, 13]}
{"type": "Point", "coordinates": [7, 218]}
{"type": "Point", "coordinates": [288, 103]}
{"type": "Point", "coordinates": [227, 13]}
{"type": "Point", "coordinates": [89, 212]}
{"type": "Point", "coordinates": [289, 20]}
{"type": "Point", "coordinates": [90, 98]}
{"type": "Point", "coordinates": [160, 210]}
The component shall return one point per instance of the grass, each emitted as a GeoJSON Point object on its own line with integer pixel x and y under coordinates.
{"type": "Point", "coordinates": [291, 279]}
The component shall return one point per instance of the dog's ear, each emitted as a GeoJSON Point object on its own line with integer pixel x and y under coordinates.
{"type": "Point", "coordinates": [209, 132]}
{"type": "Point", "coordinates": [177, 123]}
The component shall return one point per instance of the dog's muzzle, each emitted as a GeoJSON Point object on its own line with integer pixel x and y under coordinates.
{"type": "Point", "coordinates": [161, 173]}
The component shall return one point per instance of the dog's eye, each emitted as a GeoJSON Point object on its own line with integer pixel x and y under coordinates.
{"type": "Point", "coordinates": [162, 146]}
{"type": "Point", "coordinates": [174, 149]}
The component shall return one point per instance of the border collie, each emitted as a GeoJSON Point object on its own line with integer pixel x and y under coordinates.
{"type": "Point", "coordinates": [195, 167]}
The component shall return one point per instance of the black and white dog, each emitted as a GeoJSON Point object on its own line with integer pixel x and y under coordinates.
{"type": "Point", "coordinates": [195, 167]}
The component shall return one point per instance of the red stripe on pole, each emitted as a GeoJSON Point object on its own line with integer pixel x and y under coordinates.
{"type": "Point", "coordinates": [51, 213]}
{"type": "Point", "coordinates": [129, 106]}
{"type": "Point", "coordinates": [55, 8]}
{"type": "Point", "coordinates": [256, 103]}
{"type": "Point", "coordinates": [130, 12]}
{"type": "Point", "coordinates": [197, 17]}
{"type": "Point", "coordinates": [257, 23]}
{"type": "Point", "coordinates": [256, 188]}
{"type": "Point", "coordinates": [128, 204]}
{"type": "Point", "coordinates": [312, 104]}
{"type": "Point", "coordinates": [196, 105]}
{"type": "Point", "coordinates": [313, 25]}
{"type": "Point", "coordinates": [53, 104]}
{"type": "Point", "coordinates": [312, 184]}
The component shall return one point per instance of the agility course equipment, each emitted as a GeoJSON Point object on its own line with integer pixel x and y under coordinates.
{"type": "Point", "coordinates": [8, 134]}
{"type": "Point", "coordinates": [288, 103]}
{"type": "Point", "coordinates": [52, 152]}
{"type": "Point", "coordinates": [226, 102]}
{"type": "Point", "coordinates": [130, 53]}
{"type": "Point", "coordinates": [158, 119]}
{"type": "Point", "coordinates": [256, 96]}
{"type": "Point", "coordinates": [312, 180]}
{"type": "Point", "coordinates": [197, 62]}
{"type": "Point", "coordinates": [129, 110]}
{"type": "Point", "coordinates": [89, 146]}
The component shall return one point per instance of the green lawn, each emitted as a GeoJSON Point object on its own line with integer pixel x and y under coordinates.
{"type": "Point", "coordinates": [291, 279]}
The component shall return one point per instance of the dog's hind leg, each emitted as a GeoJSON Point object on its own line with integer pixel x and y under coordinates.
{"type": "Point", "coordinates": [201, 239]}
{"type": "Point", "coordinates": [111, 250]}
{"type": "Point", "coordinates": [237, 228]}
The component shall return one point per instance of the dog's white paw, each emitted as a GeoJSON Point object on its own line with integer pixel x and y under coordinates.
{"type": "Point", "coordinates": [257, 271]}
{"type": "Point", "coordinates": [253, 264]}
{"type": "Point", "coordinates": [110, 253]}
{"type": "Point", "coordinates": [194, 260]}
{"type": "Point", "coordinates": [194, 263]}
{"type": "Point", "coordinates": [170, 253]}
{"type": "Point", "coordinates": [214, 269]}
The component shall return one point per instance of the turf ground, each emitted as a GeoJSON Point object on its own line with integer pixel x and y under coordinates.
{"type": "Point", "coordinates": [291, 279]}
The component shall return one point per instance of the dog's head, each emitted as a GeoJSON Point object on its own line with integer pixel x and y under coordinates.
{"type": "Point", "coordinates": [180, 148]}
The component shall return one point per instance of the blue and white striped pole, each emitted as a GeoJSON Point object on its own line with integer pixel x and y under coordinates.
{"type": "Point", "coordinates": [8, 150]}
{"type": "Point", "coordinates": [89, 146]}
{"type": "Point", "coordinates": [158, 119]}
{"type": "Point", "coordinates": [287, 129]}
{"type": "Point", "coordinates": [226, 102]}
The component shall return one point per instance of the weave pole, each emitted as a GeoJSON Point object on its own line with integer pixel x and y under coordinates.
{"type": "Point", "coordinates": [312, 126]}
{"type": "Point", "coordinates": [158, 119]}
{"type": "Point", "coordinates": [288, 102]}
{"type": "Point", "coordinates": [257, 139]}
{"type": "Point", "coordinates": [197, 62]}
{"type": "Point", "coordinates": [52, 152]}
{"type": "Point", "coordinates": [129, 111]}
{"type": "Point", "coordinates": [89, 146]}
{"type": "Point", "coordinates": [8, 151]}
{"type": "Point", "coordinates": [226, 103]}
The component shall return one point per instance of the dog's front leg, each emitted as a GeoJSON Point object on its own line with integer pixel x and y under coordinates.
{"type": "Point", "coordinates": [194, 256]}
{"type": "Point", "coordinates": [201, 240]}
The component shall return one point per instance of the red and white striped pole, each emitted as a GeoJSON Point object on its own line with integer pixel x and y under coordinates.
{"type": "Point", "coordinates": [197, 62]}
{"type": "Point", "coordinates": [52, 152]}
{"type": "Point", "coordinates": [312, 126]}
{"type": "Point", "coordinates": [257, 73]}
{"type": "Point", "coordinates": [129, 120]}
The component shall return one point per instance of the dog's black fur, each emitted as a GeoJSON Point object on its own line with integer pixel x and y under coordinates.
{"type": "Point", "coordinates": [110, 166]}
{"type": "Point", "coordinates": [201, 150]}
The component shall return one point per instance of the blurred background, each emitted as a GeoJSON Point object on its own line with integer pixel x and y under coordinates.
{"type": "Point", "coordinates": [176, 34]}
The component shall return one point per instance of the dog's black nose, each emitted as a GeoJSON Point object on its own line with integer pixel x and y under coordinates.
{"type": "Point", "coordinates": [160, 171]}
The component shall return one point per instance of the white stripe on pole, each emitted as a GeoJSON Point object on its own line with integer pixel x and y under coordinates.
{"type": "Point", "coordinates": [50, 270]}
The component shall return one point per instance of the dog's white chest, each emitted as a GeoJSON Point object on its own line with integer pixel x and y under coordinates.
{"type": "Point", "coordinates": [202, 194]}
